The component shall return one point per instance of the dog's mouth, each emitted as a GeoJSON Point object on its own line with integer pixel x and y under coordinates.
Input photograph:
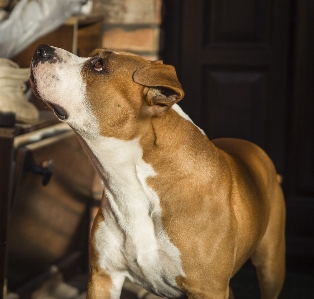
{"type": "Point", "coordinates": [59, 111]}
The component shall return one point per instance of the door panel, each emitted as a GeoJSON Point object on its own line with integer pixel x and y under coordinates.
{"type": "Point", "coordinates": [237, 97]}
{"type": "Point", "coordinates": [223, 23]}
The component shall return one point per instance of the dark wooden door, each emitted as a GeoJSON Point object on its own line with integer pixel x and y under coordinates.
{"type": "Point", "coordinates": [233, 68]}
{"type": "Point", "coordinates": [241, 64]}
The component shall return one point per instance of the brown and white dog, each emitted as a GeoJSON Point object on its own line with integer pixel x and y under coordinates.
{"type": "Point", "coordinates": [180, 213]}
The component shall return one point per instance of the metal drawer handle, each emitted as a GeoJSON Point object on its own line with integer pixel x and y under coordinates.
{"type": "Point", "coordinates": [45, 170]}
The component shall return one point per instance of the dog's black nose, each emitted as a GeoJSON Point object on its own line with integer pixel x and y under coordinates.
{"type": "Point", "coordinates": [44, 52]}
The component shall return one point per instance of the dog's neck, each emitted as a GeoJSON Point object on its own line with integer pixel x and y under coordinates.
{"type": "Point", "coordinates": [122, 164]}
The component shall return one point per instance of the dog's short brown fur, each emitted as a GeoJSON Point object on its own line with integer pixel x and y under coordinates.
{"type": "Point", "coordinates": [208, 206]}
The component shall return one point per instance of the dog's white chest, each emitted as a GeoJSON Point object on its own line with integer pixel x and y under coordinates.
{"type": "Point", "coordinates": [149, 260]}
{"type": "Point", "coordinates": [131, 240]}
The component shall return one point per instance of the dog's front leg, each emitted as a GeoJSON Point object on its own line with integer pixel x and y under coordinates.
{"type": "Point", "coordinates": [102, 286]}
{"type": "Point", "coordinates": [99, 285]}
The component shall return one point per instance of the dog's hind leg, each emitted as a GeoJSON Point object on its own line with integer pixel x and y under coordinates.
{"type": "Point", "coordinates": [269, 257]}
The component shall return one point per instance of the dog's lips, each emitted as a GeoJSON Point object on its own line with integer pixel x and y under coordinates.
{"type": "Point", "coordinates": [60, 112]}
{"type": "Point", "coordinates": [32, 84]}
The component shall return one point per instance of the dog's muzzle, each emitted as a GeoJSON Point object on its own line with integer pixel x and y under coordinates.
{"type": "Point", "coordinates": [46, 54]}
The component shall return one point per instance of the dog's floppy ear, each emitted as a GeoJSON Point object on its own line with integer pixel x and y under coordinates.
{"type": "Point", "coordinates": [164, 88]}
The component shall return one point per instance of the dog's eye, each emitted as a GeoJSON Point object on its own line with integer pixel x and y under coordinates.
{"type": "Point", "coordinates": [98, 66]}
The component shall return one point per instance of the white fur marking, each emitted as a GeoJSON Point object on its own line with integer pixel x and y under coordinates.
{"type": "Point", "coordinates": [131, 240]}
{"type": "Point", "coordinates": [178, 109]}
{"type": "Point", "coordinates": [61, 83]}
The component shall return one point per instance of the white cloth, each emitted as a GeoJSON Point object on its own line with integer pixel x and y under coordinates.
{"type": "Point", "coordinates": [12, 86]}
{"type": "Point", "coordinates": [31, 19]}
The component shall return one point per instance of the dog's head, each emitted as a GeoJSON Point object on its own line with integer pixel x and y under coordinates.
{"type": "Point", "coordinates": [109, 92]}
